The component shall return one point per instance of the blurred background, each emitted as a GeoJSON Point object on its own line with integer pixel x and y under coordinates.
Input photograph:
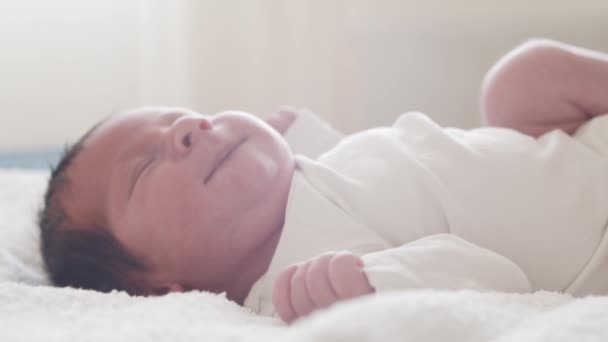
{"type": "Point", "coordinates": [65, 64]}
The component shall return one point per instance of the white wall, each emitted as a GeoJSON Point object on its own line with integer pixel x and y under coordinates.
{"type": "Point", "coordinates": [362, 62]}
{"type": "Point", "coordinates": [433, 57]}
{"type": "Point", "coordinates": [64, 64]}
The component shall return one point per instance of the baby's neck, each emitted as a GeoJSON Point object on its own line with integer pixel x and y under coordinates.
{"type": "Point", "coordinates": [254, 268]}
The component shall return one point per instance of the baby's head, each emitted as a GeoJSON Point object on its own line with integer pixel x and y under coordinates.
{"type": "Point", "coordinates": [165, 199]}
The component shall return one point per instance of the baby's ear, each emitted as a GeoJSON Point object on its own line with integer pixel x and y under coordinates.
{"type": "Point", "coordinates": [282, 119]}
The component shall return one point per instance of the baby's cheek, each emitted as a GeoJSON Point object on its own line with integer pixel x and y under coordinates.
{"type": "Point", "coordinates": [260, 173]}
{"type": "Point", "coordinates": [252, 176]}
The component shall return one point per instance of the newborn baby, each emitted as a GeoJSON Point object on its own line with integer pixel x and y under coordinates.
{"type": "Point", "coordinates": [287, 216]}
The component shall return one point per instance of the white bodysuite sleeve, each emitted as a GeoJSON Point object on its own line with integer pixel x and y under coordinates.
{"type": "Point", "coordinates": [443, 261]}
{"type": "Point", "coordinates": [308, 135]}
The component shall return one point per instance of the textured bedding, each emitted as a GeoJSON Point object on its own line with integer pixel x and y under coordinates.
{"type": "Point", "coordinates": [30, 310]}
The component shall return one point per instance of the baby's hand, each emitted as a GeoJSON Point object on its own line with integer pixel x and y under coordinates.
{"type": "Point", "coordinates": [318, 283]}
{"type": "Point", "coordinates": [282, 119]}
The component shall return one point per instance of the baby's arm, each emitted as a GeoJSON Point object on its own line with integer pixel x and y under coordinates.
{"type": "Point", "coordinates": [442, 261]}
{"type": "Point", "coordinates": [545, 85]}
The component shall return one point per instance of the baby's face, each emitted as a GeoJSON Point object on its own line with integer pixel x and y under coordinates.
{"type": "Point", "coordinates": [197, 198]}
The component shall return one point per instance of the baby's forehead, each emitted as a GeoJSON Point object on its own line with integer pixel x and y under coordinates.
{"type": "Point", "coordinates": [142, 117]}
{"type": "Point", "coordinates": [92, 169]}
{"type": "Point", "coordinates": [120, 130]}
{"type": "Point", "coordinates": [118, 126]}
{"type": "Point", "coordinates": [131, 118]}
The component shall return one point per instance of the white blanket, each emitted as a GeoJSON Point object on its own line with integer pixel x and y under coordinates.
{"type": "Point", "coordinates": [31, 311]}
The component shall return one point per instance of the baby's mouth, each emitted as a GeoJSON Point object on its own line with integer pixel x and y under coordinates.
{"type": "Point", "coordinates": [222, 157]}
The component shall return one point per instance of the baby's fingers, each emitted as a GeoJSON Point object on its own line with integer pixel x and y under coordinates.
{"type": "Point", "coordinates": [281, 294]}
{"type": "Point", "coordinates": [301, 301]}
{"type": "Point", "coordinates": [317, 281]}
{"type": "Point", "coordinates": [347, 277]}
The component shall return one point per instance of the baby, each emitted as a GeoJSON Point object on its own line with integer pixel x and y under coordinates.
{"type": "Point", "coordinates": [286, 216]}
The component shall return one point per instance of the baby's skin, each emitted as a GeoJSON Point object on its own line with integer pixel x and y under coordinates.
{"type": "Point", "coordinates": [200, 199]}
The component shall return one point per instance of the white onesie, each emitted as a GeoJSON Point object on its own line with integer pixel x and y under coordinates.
{"type": "Point", "coordinates": [445, 208]}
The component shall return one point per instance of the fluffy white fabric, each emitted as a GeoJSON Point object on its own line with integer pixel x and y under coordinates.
{"type": "Point", "coordinates": [21, 195]}
{"type": "Point", "coordinates": [31, 311]}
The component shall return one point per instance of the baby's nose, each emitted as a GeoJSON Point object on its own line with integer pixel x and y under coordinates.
{"type": "Point", "coordinates": [205, 124]}
{"type": "Point", "coordinates": [187, 132]}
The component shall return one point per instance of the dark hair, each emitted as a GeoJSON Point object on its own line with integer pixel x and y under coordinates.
{"type": "Point", "coordinates": [86, 257]}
